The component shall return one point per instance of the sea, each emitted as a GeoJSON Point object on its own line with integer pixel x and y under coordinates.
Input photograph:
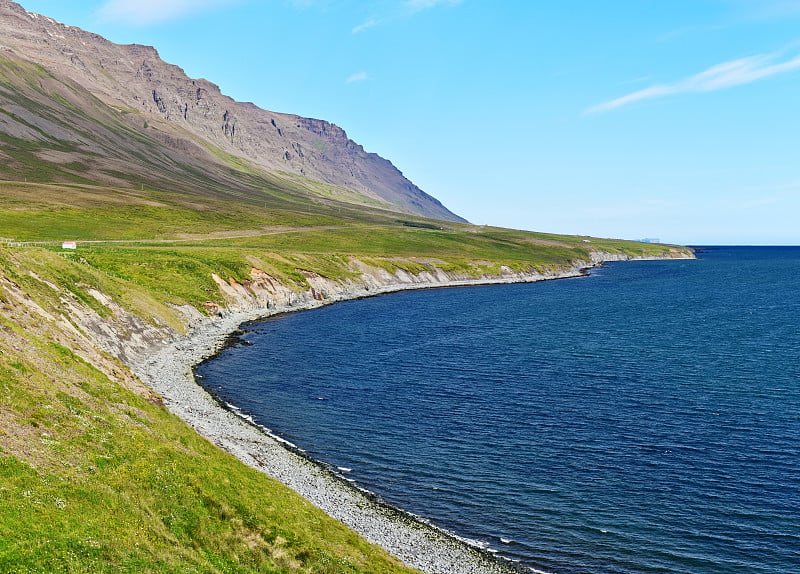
{"type": "Point", "coordinates": [642, 419]}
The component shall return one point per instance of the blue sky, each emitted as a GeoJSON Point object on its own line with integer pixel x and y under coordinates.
{"type": "Point", "coordinates": [671, 119]}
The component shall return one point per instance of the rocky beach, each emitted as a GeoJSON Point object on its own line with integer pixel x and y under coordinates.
{"type": "Point", "coordinates": [168, 369]}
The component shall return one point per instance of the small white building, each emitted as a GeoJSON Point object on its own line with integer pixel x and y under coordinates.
{"type": "Point", "coordinates": [69, 245]}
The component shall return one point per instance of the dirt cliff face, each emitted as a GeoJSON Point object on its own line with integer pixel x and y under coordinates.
{"type": "Point", "coordinates": [187, 114]}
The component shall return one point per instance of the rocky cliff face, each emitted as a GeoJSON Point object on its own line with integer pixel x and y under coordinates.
{"type": "Point", "coordinates": [131, 339]}
{"type": "Point", "coordinates": [189, 114]}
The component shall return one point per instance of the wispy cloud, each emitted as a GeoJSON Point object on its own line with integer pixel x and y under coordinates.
{"type": "Point", "coordinates": [357, 77]}
{"type": "Point", "coordinates": [734, 13]}
{"type": "Point", "coordinates": [144, 12]}
{"type": "Point", "coordinates": [419, 5]}
{"type": "Point", "coordinates": [719, 77]}
{"type": "Point", "coordinates": [400, 11]}
{"type": "Point", "coordinates": [371, 23]}
{"type": "Point", "coordinates": [765, 9]}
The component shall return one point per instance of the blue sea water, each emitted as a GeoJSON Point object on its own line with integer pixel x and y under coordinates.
{"type": "Point", "coordinates": [645, 419]}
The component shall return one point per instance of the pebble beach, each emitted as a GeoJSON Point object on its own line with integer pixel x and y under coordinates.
{"type": "Point", "coordinates": [169, 372]}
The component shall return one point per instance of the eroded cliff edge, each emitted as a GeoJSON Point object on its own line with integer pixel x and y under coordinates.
{"type": "Point", "coordinates": [130, 338]}
{"type": "Point", "coordinates": [167, 370]}
{"type": "Point", "coordinates": [151, 353]}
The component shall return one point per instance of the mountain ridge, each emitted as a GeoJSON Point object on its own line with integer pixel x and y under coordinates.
{"type": "Point", "coordinates": [158, 100]}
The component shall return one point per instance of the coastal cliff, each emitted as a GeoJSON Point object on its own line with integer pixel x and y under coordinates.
{"type": "Point", "coordinates": [145, 216]}
{"type": "Point", "coordinates": [128, 337]}
{"type": "Point", "coordinates": [167, 369]}
{"type": "Point", "coordinates": [66, 324]}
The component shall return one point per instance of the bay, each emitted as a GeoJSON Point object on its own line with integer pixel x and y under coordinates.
{"type": "Point", "coordinates": [643, 419]}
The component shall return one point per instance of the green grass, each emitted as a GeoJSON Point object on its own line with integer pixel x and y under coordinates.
{"type": "Point", "coordinates": [35, 212]}
{"type": "Point", "coordinates": [131, 222]}
{"type": "Point", "coordinates": [284, 243]}
{"type": "Point", "coordinates": [181, 273]}
{"type": "Point", "coordinates": [96, 478]}
{"type": "Point", "coordinates": [95, 474]}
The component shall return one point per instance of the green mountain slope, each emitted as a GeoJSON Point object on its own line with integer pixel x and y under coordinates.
{"type": "Point", "coordinates": [53, 130]}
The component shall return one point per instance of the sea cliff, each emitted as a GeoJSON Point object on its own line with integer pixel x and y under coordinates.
{"type": "Point", "coordinates": [167, 369]}
{"type": "Point", "coordinates": [90, 357]}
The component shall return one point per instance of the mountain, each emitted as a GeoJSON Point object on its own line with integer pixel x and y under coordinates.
{"type": "Point", "coordinates": [75, 107]}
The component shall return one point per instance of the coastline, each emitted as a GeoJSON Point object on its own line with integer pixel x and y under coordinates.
{"type": "Point", "coordinates": [168, 370]}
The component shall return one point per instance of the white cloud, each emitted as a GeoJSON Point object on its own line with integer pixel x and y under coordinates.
{"type": "Point", "coordinates": [371, 23]}
{"type": "Point", "coordinates": [419, 5]}
{"type": "Point", "coordinates": [719, 77]}
{"type": "Point", "coordinates": [143, 12]}
{"type": "Point", "coordinates": [357, 77]}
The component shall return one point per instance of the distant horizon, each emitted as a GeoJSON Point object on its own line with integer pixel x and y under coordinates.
{"type": "Point", "coordinates": [671, 120]}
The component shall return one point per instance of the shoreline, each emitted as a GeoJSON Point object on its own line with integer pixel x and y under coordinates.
{"type": "Point", "coordinates": [446, 544]}
{"type": "Point", "coordinates": [169, 370]}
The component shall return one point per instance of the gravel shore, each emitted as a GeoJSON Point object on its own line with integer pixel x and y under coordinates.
{"type": "Point", "coordinates": [168, 371]}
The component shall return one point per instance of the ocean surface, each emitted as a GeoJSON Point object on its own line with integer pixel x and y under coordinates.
{"type": "Point", "coordinates": [644, 419]}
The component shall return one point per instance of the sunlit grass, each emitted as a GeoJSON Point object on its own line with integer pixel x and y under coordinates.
{"type": "Point", "coordinates": [95, 474]}
{"type": "Point", "coordinates": [95, 478]}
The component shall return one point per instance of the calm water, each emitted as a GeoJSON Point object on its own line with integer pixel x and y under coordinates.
{"type": "Point", "coordinates": [644, 419]}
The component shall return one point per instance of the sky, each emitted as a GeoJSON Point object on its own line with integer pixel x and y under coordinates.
{"type": "Point", "coordinates": [676, 120]}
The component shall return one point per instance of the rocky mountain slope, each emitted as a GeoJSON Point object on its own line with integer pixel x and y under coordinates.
{"type": "Point", "coordinates": [81, 108]}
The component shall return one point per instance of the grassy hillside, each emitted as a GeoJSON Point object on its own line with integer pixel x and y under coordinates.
{"type": "Point", "coordinates": [170, 241]}
{"type": "Point", "coordinates": [95, 474]}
